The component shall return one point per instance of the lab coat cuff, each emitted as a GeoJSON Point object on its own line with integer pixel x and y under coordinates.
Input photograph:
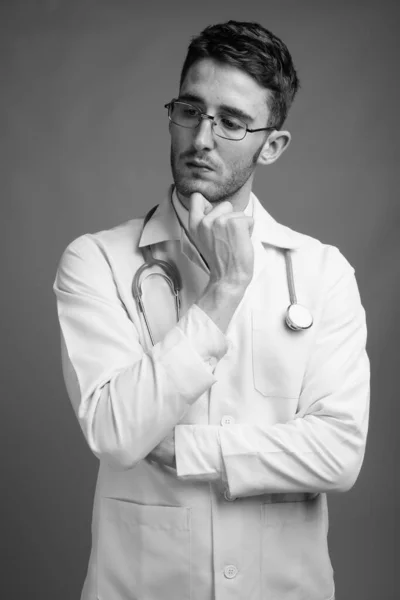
{"type": "Point", "coordinates": [190, 375]}
{"type": "Point", "coordinates": [205, 336]}
{"type": "Point", "coordinates": [198, 452]}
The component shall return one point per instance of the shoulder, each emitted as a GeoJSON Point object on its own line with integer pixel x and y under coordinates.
{"type": "Point", "coordinates": [123, 237]}
{"type": "Point", "coordinates": [315, 256]}
{"type": "Point", "coordinates": [309, 254]}
{"type": "Point", "coordinates": [326, 279]}
{"type": "Point", "coordinates": [94, 254]}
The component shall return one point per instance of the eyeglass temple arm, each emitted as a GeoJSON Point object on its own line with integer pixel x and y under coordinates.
{"type": "Point", "coordinates": [261, 129]}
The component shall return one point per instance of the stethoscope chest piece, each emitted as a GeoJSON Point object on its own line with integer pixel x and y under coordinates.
{"type": "Point", "coordinates": [298, 317]}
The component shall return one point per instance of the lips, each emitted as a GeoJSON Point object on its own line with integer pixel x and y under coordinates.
{"type": "Point", "coordinates": [199, 165]}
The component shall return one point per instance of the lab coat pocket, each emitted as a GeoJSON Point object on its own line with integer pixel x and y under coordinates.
{"type": "Point", "coordinates": [143, 551]}
{"type": "Point", "coordinates": [278, 355]}
{"type": "Point", "coordinates": [295, 557]}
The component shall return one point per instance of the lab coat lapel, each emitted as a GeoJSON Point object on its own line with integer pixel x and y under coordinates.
{"type": "Point", "coordinates": [268, 233]}
{"type": "Point", "coordinates": [195, 275]}
{"type": "Point", "coordinates": [163, 226]}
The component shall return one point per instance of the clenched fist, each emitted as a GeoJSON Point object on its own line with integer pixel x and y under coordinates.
{"type": "Point", "coordinates": [223, 237]}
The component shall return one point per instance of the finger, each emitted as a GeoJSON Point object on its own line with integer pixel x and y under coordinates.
{"type": "Point", "coordinates": [246, 221]}
{"type": "Point", "coordinates": [209, 207]}
{"type": "Point", "coordinates": [223, 208]}
{"type": "Point", "coordinates": [197, 207]}
{"type": "Point", "coordinates": [237, 216]}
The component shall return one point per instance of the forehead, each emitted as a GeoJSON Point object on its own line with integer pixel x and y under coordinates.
{"type": "Point", "coordinates": [221, 84]}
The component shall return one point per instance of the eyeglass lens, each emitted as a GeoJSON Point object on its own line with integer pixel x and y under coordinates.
{"type": "Point", "coordinates": [187, 115]}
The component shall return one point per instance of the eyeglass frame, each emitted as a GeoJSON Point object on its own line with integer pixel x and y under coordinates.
{"type": "Point", "coordinates": [203, 115]}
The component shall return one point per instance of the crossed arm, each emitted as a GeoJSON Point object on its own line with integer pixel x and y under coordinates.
{"type": "Point", "coordinates": [129, 402]}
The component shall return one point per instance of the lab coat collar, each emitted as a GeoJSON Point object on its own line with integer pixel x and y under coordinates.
{"type": "Point", "coordinates": [163, 226]}
{"type": "Point", "coordinates": [268, 231]}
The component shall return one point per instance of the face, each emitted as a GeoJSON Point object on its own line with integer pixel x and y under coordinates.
{"type": "Point", "coordinates": [230, 165]}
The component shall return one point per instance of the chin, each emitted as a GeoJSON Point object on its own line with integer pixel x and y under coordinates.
{"type": "Point", "coordinates": [187, 186]}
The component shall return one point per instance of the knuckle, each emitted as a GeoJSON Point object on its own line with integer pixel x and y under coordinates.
{"type": "Point", "coordinates": [226, 204]}
{"type": "Point", "coordinates": [221, 220]}
{"type": "Point", "coordinates": [206, 224]}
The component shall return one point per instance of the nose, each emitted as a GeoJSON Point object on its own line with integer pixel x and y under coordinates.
{"type": "Point", "coordinates": [203, 137]}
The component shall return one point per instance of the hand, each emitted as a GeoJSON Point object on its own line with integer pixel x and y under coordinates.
{"type": "Point", "coordinates": [224, 239]}
{"type": "Point", "coordinates": [164, 453]}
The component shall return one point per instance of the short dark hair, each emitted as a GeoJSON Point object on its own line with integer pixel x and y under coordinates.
{"type": "Point", "coordinates": [255, 50]}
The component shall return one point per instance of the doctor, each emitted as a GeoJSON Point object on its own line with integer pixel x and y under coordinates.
{"type": "Point", "coordinates": [218, 444]}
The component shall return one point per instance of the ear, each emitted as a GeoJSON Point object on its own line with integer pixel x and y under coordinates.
{"type": "Point", "coordinates": [275, 144]}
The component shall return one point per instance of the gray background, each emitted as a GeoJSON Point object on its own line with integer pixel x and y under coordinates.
{"type": "Point", "coordinates": [84, 146]}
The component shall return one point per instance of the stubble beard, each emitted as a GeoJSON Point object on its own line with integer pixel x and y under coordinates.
{"type": "Point", "coordinates": [215, 192]}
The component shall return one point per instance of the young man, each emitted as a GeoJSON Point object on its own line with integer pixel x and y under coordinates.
{"type": "Point", "coordinates": [218, 443]}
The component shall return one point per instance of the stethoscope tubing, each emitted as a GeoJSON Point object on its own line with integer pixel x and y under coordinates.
{"type": "Point", "coordinates": [290, 277]}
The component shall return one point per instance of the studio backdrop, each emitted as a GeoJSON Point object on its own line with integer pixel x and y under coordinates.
{"type": "Point", "coordinates": [85, 146]}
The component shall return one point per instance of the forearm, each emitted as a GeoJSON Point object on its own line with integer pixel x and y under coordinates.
{"type": "Point", "coordinates": [220, 301]}
{"type": "Point", "coordinates": [126, 400]}
{"type": "Point", "coordinates": [321, 446]}
{"type": "Point", "coordinates": [308, 454]}
{"type": "Point", "coordinates": [124, 413]}
{"type": "Point", "coordinates": [125, 427]}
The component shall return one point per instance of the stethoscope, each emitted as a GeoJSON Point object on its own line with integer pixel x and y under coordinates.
{"type": "Point", "coordinates": [297, 318]}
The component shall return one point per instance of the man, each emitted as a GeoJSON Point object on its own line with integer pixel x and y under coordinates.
{"type": "Point", "coordinates": [218, 443]}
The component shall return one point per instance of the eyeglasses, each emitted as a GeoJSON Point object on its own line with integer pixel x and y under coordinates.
{"type": "Point", "coordinates": [224, 125]}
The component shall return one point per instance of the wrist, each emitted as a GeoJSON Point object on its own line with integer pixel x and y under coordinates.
{"type": "Point", "coordinates": [220, 301]}
{"type": "Point", "coordinates": [228, 287]}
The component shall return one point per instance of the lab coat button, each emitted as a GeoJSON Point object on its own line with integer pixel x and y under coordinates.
{"type": "Point", "coordinates": [230, 571]}
{"type": "Point", "coordinates": [227, 420]}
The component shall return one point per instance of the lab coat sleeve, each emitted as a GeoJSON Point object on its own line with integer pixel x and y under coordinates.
{"type": "Point", "coordinates": [126, 400]}
{"type": "Point", "coordinates": [320, 450]}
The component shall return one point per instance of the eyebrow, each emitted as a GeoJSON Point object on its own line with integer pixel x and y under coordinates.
{"type": "Point", "coordinates": [231, 110]}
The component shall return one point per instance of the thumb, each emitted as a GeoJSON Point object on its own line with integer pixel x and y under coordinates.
{"type": "Point", "coordinates": [198, 207]}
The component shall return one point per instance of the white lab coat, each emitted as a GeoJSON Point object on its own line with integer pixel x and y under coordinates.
{"type": "Point", "coordinates": [266, 420]}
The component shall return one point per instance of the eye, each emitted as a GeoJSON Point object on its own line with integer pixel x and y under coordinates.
{"type": "Point", "coordinates": [189, 111]}
{"type": "Point", "coordinates": [231, 123]}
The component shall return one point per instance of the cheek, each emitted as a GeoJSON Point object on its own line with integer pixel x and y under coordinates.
{"type": "Point", "coordinates": [236, 157]}
{"type": "Point", "coordinates": [181, 139]}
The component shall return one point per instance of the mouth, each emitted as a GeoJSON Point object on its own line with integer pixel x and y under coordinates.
{"type": "Point", "coordinates": [199, 165]}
